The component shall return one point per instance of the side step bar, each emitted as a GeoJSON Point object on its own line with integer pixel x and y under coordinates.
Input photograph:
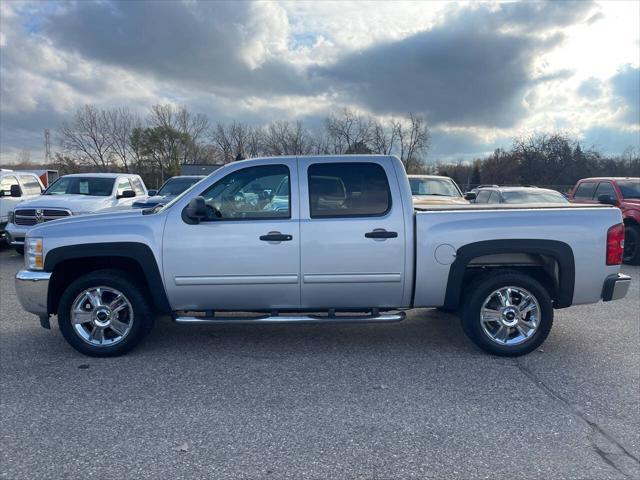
{"type": "Point", "coordinates": [274, 319]}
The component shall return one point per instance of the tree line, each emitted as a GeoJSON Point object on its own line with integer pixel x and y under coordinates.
{"type": "Point", "coordinates": [155, 146]}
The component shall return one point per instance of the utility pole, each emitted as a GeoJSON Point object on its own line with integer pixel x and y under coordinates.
{"type": "Point", "coordinates": [47, 146]}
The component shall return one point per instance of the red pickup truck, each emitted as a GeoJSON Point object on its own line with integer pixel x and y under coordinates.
{"type": "Point", "coordinates": [623, 192]}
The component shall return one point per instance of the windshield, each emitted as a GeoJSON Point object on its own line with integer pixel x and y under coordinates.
{"type": "Point", "coordinates": [176, 186]}
{"type": "Point", "coordinates": [93, 186]}
{"type": "Point", "coordinates": [629, 189]}
{"type": "Point", "coordinates": [533, 196]}
{"type": "Point", "coordinates": [434, 186]}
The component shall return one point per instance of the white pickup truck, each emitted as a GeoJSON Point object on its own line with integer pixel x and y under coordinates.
{"type": "Point", "coordinates": [75, 194]}
{"type": "Point", "coordinates": [319, 239]}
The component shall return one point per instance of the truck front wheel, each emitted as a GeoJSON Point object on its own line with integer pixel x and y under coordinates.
{"type": "Point", "coordinates": [103, 314]}
{"type": "Point", "coordinates": [507, 313]}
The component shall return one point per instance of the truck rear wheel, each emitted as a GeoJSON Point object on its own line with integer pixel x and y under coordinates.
{"type": "Point", "coordinates": [632, 245]}
{"type": "Point", "coordinates": [102, 314]}
{"type": "Point", "coordinates": [507, 313]}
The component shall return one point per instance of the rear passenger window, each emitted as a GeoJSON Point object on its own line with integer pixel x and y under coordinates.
{"type": "Point", "coordinates": [123, 185]}
{"type": "Point", "coordinates": [348, 190]}
{"type": "Point", "coordinates": [483, 196]}
{"type": "Point", "coordinates": [137, 186]}
{"type": "Point", "coordinates": [31, 185]}
{"type": "Point", "coordinates": [605, 188]}
{"type": "Point", "coordinates": [585, 190]}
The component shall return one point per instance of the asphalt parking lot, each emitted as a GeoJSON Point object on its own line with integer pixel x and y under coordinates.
{"type": "Point", "coordinates": [408, 400]}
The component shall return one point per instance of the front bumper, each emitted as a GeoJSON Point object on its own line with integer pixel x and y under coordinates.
{"type": "Point", "coordinates": [32, 289]}
{"type": "Point", "coordinates": [615, 287]}
{"type": "Point", "coordinates": [17, 233]}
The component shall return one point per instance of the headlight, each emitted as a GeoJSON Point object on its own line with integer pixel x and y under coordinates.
{"type": "Point", "coordinates": [12, 216]}
{"type": "Point", "coordinates": [33, 253]}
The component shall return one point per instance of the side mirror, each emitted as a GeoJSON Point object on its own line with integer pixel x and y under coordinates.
{"type": "Point", "coordinates": [195, 211]}
{"type": "Point", "coordinates": [127, 194]}
{"type": "Point", "coordinates": [152, 193]}
{"type": "Point", "coordinates": [604, 198]}
{"type": "Point", "coordinates": [16, 191]}
{"type": "Point", "coordinates": [470, 196]}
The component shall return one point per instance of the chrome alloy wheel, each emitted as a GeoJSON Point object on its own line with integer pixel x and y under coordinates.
{"type": "Point", "coordinates": [510, 315]}
{"type": "Point", "coordinates": [102, 316]}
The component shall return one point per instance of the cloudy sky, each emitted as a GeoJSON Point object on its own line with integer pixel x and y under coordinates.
{"type": "Point", "coordinates": [479, 72]}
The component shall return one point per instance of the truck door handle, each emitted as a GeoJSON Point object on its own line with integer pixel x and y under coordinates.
{"type": "Point", "coordinates": [381, 233]}
{"type": "Point", "coordinates": [276, 237]}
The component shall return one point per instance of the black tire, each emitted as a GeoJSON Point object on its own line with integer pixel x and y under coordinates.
{"type": "Point", "coordinates": [477, 293]}
{"type": "Point", "coordinates": [20, 250]}
{"type": "Point", "coordinates": [143, 317]}
{"type": "Point", "coordinates": [632, 245]}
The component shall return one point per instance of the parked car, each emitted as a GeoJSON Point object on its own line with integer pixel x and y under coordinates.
{"type": "Point", "coordinates": [168, 191]}
{"type": "Point", "coordinates": [75, 194]}
{"type": "Point", "coordinates": [623, 192]}
{"type": "Point", "coordinates": [354, 249]}
{"type": "Point", "coordinates": [518, 195]}
{"type": "Point", "coordinates": [435, 189]}
{"type": "Point", "coordinates": [15, 186]}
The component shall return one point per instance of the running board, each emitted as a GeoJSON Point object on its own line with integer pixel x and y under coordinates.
{"type": "Point", "coordinates": [273, 319]}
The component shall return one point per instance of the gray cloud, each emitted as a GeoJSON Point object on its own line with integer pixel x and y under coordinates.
{"type": "Point", "coordinates": [203, 44]}
{"type": "Point", "coordinates": [465, 71]}
{"type": "Point", "coordinates": [626, 87]}
{"type": "Point", "coordinates": [590, 88]}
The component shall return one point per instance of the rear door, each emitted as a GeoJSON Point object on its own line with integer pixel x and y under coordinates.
{"type": "Point", "coordinates": [352, 233]}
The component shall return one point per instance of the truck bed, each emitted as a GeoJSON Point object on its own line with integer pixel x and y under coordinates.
{"type": "Point", "coordinates": [504, 206]}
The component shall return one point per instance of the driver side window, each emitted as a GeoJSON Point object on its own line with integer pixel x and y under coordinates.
{"type": "Point", "coordinates": [252, 193]}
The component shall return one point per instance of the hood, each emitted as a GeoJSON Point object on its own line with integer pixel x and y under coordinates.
{"type": "Point", "coordinates": [438, 200]}
{"type": "Point", "coordinates": [41, 228]}
{"type": "Point", "coordinates": [153, 201]}
{"type": "Point", "coordinates": [75, 203]}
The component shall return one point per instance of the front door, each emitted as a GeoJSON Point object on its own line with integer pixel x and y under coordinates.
{"type": "Point", "coordinates": [246, 254]}
{"type": "Point", "coordinates": [352, 230]}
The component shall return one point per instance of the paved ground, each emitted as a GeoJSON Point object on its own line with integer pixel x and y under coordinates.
{"type": "Point", "coordinates": [408, 400]}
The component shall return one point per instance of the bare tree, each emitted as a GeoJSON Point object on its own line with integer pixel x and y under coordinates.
{"type": "Point", "coordinates": [414, 137]}
{"type": "Point", "coordinates": [384, 138]}
{"type": "Point", "coordinates": [87, 138]}
{"type": "Point", "coordinates": [181, 120]}
{"type": "Point", "coordinates": [121, 124]}
{"type": "Point", "coordinates": [348, 130]}
{"type": "Point", "coordinates": [285, 138]}
{"type": "Point", "coordinates": [236, 140]}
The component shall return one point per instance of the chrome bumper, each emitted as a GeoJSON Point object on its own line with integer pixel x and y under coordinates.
{"type": "Point", "coordinates": [615, 287]}
{"type": "Point", "coordinates": [16, 234]}
{"type": "Point", "coordinates": [32, 289]}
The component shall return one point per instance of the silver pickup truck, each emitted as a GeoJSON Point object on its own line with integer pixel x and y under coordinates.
{"type": "Point", "coordinates": [319, 239]}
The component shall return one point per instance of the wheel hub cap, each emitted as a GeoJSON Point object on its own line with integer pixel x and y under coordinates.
{"type": "Point", "coordinates": [102, 316]}
{"type": "Point", "coordinates": [510, 315]}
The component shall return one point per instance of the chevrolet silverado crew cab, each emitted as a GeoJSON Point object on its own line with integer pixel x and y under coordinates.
{"type": "Point", "coordinates": [319, 239]}
{"type": "Point", "coordinates": [75, 194]}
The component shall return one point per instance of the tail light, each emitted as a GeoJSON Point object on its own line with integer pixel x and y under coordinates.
{"type": "Point", "coordinates": [615, 244]}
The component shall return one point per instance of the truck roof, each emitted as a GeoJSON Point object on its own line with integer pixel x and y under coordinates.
{"type": "Point", "coordinates": [101, 175]}
{"type": "Point", "coordinates": [609, 178]}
